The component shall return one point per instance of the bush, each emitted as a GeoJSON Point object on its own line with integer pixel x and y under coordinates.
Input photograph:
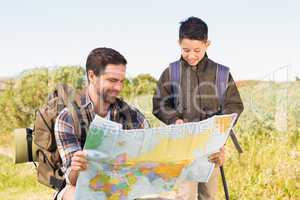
{"type": "Point", "coordinates": [30, 90]}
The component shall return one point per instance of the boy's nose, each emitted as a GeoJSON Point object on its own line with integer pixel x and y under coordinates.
{"type": "Point", "coordinates": [192, 57]}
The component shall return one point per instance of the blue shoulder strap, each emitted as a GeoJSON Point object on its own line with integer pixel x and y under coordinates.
{"type": "Point", "coordinates": [174, 70]}
{"type": "Point", "coordinates": [222, 75]}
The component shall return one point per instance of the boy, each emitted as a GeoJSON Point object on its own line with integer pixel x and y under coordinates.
{"type": "Point", "coordinates": [197, 97]}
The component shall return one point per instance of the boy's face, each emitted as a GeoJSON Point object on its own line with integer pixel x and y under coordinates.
{"type": "Point", "coordinates": [193, 51]}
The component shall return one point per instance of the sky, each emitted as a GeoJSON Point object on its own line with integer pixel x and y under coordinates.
{"type": "Point", "coordinates": [254, 38]}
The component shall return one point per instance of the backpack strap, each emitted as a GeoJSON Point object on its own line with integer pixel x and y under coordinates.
{"type": "Point", "coordinates": [80, 125]}
{"type": "Point", "coordinates": [174, 74]}
{"type": "Point", "coordinates": [29, 138]}
{"type": "Point", "coordinates": [222, 76]}
{"type": "Point", "coordinates": [78, 122]}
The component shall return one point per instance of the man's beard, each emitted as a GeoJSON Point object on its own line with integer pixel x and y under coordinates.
{"type": "Point", "coordinates": [106, 98]}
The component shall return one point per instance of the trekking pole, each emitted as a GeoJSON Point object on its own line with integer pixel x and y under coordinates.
{"type": "Point", "coordinates": [224, 183]}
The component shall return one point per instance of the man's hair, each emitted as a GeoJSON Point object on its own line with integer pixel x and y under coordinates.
{"type": "Point", "coordinates": [99, 58]}
{"type": "Point", "coordinates": [194, 29]}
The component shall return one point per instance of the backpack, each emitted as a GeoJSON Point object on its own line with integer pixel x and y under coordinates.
{"type": "Point", "coordinates": [222, 76]}
{"type": "Point", "coordinates": [47, 156]}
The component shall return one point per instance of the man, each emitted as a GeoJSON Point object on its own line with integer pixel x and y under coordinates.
{"type": "Point", "coordinates": [197, 97]}
{"type": "Point", "coordinates": [105, 70]}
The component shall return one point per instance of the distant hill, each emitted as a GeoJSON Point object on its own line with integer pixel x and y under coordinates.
{"type": "Point", "coordinates": [251, 83]}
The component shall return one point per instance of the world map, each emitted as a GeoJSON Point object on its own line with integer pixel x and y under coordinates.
{"type": "Point", "coordinates": [131, 164]}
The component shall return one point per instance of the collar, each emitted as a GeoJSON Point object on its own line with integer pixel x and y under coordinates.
{"type": "Point", "coordinates": [85, 100]}
{"type": "Point", "coordinates": [200, 66]}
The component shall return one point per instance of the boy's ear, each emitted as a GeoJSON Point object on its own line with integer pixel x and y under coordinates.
{"type": "Point", "coordinates": [208, 42]}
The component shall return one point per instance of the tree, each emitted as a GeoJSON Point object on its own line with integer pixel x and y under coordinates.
{"type": "Point", "coordinates": [144, 84]}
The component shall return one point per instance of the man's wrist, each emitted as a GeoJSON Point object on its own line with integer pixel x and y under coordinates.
{"type": "Point", "coordinates": [72, 177]}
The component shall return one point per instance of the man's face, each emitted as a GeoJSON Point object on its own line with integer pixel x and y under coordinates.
{"type": "Point", "coordinates": [193, 51]}
{"type": "Point", "coordinates": [109, 85]}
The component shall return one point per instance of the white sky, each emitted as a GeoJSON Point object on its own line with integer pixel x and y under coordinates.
{"type": "Point", "coordinates": [253, 38]}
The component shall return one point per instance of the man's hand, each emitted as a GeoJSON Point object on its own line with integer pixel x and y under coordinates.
{"type": "Point", "coordinates": [218, 158]}
{"type": "Point", "coordinates": [79, 161]}
{"type": "Point", "coordinates": [179, 121]}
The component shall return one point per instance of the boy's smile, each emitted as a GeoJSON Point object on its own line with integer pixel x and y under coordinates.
{"type": "Point", "coordinates": [193, 51]}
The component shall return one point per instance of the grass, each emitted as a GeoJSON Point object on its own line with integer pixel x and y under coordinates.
{"type": "Point", "coordinates": [18, 181]}
{"type": "Point", "coordinates": [268, 168]}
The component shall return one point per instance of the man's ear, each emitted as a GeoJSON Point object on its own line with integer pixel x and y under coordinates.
{"type": "Point", "coordinates": [91, 76]}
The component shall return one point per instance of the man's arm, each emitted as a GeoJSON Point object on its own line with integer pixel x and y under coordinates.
{"type": "Point", "coordinates": [79, 163]}
{"type": "Point", "coordinates": [73, 158]}
{"type": "Point", "coordinates": [162, 100]}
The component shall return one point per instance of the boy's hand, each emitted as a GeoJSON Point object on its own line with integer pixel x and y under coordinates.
{"type": "Point", "coordinates": [79, 161]}
{"type": "Point", "coordinates": [179, 121]}
{"type": "Point", "coordinates": [218, 158]}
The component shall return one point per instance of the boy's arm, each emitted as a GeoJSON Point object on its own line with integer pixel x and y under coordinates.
{"type": "Point", "coordinates": [162, 101]}
{"type": "Point", "coordinates": [232, 102]}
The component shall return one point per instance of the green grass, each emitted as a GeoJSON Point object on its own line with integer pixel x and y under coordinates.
{"type": "Point", "coordinates": [19, 181]}
{"type": "Point", "coordinates": [268, 168]}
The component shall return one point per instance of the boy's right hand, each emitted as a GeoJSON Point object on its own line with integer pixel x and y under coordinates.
{"type": "Point", "coordinates": [79, 161]}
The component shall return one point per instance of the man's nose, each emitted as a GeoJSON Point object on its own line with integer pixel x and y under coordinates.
{"type": "Point", "coordinates": [118, 86]}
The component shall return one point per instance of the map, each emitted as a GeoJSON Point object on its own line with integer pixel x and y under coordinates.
{"type": "Point", "coordinates": [138, 163]}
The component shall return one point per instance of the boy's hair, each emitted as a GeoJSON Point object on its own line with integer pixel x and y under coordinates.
{"type": "Point", "coordinates": [194, 29]}
{"type": "Point", "coordinates": [99, 58]}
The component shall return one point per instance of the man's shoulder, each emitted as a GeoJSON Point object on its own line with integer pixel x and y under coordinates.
{"type": "Point", "coordinates": [126, 107]}
{"type": "Point", "coordinates": [137, 117]}
{"type": "Point", "coordinates": [65, 116]}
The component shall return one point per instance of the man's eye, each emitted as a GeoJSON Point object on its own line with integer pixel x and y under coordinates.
{"type": "Point", "coordinates": [186, 50]}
